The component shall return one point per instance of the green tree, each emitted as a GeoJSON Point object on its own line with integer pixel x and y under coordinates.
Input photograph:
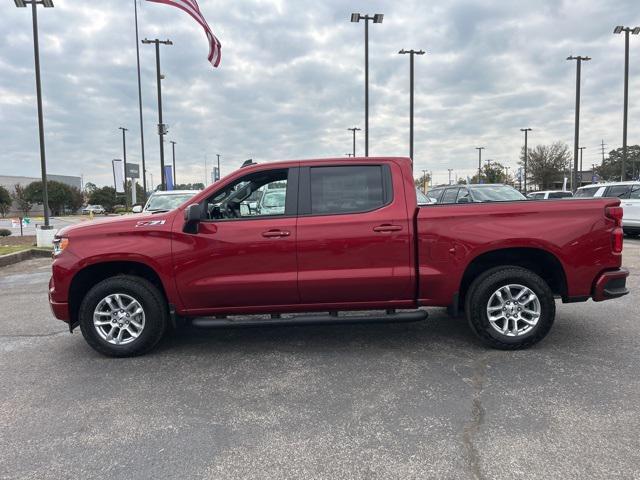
{"type": "Point", "coordinates": [18, 195]}
{"type": "Point", "coordinates": [611, 168]}
{"type": "Point", "coordinates": [422, 182]}
{"type": "Point", "coordinates": [546, 164]}
{"type": "Point", "coordinates": [62, 197]}
{"type": "Point", "coordinates": [105, 196]}
{"type": "Point", "coordinates": [189, 186]}
{"type": "Point", "coordinates": [5, 201]}
{"type": "Point", "coordinates": [493, 172]}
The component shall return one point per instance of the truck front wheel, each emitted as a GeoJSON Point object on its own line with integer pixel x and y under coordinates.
{"type": "Point", "coordinates": [123, 316]}
{"type": "Point", "coordinates": [510, 307]}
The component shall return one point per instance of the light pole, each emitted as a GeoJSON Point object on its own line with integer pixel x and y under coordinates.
{"type": "Point", "coordinates": [526, 155]}
{"type": "Point", "coordinates": [124, 156]}
{"type": "Point", "coordinates": [377, 18]}
{"type": "Point", "coordinates": [144, 170]}
{"type": "Point", "coordinates": [36, 54]}
{"type": "Point", "coordinates": [411, 54]}
{"type": "Point", "coordinates": [173, 151]}
{"type": "Point", "coordinates": [506, 174]}
{"type": "Point", "coordinates": [354, 130]}
{"type": "Point", "coordinates": [219, 172]}
{"type": "Point", "coordinates": [581, 149]}
{"type": "Point", "coordinates": [162, 128]}
{"type": "Point", "coordinates": [479, 162]}
{"type": "Point", "coordinates": [450, 170]}
{"type": "Point", "coordinates": [424, 181]}
{"type": "Point", "coordinates": [576, 136]}
{"type": "Point", "coordinates": [635, 31]}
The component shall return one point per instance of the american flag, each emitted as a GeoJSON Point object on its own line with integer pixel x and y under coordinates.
{"type": "Point", "coordinates": [192, 8]}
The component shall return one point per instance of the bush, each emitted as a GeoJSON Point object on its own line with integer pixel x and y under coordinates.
{"type": "Point", "coordinates": [120, 210]}
{"type": "Point", "coordinates": [4, 232]}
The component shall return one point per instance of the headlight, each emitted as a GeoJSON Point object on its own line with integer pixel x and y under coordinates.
{"type": "Point", "coordinates": [59, 244]}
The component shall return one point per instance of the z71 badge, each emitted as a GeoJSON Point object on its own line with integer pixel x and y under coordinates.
{"type": "Point", "coordinates": [150, 223]}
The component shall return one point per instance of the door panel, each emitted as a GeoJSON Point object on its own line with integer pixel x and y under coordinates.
{"type": "Point", "coordinates": [355, 257]}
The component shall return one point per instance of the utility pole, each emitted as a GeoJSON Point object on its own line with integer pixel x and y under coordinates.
{"type": "Point", "coordinates": [479, 162]}
{"type": "Point", "coordinates": [526, 155]}
{"type": "Point", "coordinates": [354, 130]}
{"type": "Point", "coordinates": [173, 150]}
{"type": "Point", "coordinates": [635, 31]}
{"type": "Point", "coordinates": [424, 182]}
{"type": "Point", "coordinates": [144, 170]}
{"type": "Point", "coordinates": [450, 170]}
{"type": "Point", "coordinates": [219, 172]}
{"type": "Point", "coordinates": [162, 128]}
{"type": "Point", "coordinates": [581, 149]}
{"type": "Point", "coordinates": [576, 137]}
{"type": "Point", "coordinates": [36, 55]}
{"type": "Point", "coordinates": [377, 18]}
{"type": "Point", "coordinates": [411, 54]}
{"type": "Point", "coordinates": [506, 174]}
{"type": "Point", "coordinates": [124, 157]}
{"type": "Point", "coordinates": [602, 145]}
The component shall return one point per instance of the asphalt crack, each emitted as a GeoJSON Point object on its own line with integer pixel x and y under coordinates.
{"type": "Point", "coordinates": [472, 427]}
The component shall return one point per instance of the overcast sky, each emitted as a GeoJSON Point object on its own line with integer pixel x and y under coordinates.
{"type": "Point", "coordinates": [291, 82]}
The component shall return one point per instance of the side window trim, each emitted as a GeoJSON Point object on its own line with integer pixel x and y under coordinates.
{"type": "Point", "coordinates": [304, 189]}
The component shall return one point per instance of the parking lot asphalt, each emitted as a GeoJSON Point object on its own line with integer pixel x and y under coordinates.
{"type": "Point", "coordinates": [421, 400]}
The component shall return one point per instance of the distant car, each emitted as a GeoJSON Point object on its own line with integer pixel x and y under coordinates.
{"type": "Point", "coordinates": [476, 193]}
{"type": "Point", "coordinates": [163, 201]}
{"type": "Point", "coordinates": [95, 209]}
{"type": "Point", "coordinates": [629, 195]}
{"type": "Point", "coordinates": [272, 202]}
{"type": "Point", "coordinates": [549, 195]}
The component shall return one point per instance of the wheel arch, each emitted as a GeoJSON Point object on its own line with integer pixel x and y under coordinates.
{"type": "Point", "coordinates": [91, 275]}
{"type": "Point", "coordinates": [542, 262]}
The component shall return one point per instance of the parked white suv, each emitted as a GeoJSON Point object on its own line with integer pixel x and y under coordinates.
{"type": "Point", "coordinates": [629, 195]}
{"type": "Point", "coordinates": [549, 195]}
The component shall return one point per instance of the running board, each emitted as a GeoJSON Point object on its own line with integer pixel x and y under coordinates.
{"type": "Point", "coordinates": [332, 318]}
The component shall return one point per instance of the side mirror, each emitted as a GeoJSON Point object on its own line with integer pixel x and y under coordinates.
{"type": "Point", "coordinates": [192, 216]}
{"type": "Point", "coordinates": [137, 209]}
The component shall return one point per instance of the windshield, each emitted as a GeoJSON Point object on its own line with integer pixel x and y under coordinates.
{"type": "Point", "coordinates": [273, 199]}
{"type": "Point", "coordinates": [422, 198]}
{"type": "Point", "coordinates": [586, 192]}
{"type": "Point", "coordinates": [167, 201]}
{"type": "Point", "coordinates": [495, 193]}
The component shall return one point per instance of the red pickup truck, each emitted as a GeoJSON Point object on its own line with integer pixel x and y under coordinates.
{"type": "Point", "coordinates": [324, 239]}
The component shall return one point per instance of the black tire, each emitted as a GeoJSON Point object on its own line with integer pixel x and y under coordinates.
{"type": "Point", "coordinates": [155, 308]}
{"type": "Point", "coordinates": [478, 297]}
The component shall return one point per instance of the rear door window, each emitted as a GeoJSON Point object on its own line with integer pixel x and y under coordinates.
{"type": "Point", "coordinates": [560, 195]}
{"type": "Point", "coordinates": [347, 189]}
{"type": "Point", "coordinates": [450, 195]}
{"type": "Point", "coordinates": [435, 194]}
{"type": "Point", "coordinates": [618, 191]}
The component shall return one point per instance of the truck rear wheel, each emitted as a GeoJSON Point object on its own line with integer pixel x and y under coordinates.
{"type": "Point", "coordinates": [123, 316]}
{"type": "Point", "coordinates": [510, 307]}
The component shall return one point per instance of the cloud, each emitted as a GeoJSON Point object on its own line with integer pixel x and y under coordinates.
{"type": "Point", "coordinates": [291, 82]}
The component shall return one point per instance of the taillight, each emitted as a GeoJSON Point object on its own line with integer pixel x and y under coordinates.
{"type": "Point", "coordinates": [615, 213]}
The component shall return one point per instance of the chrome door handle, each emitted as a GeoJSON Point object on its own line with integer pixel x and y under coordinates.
{"type": "Point", "coordinates": [387, 228]}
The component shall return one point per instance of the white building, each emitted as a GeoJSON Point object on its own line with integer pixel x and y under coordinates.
{"type": "Point", "coordinates": [9, 182]}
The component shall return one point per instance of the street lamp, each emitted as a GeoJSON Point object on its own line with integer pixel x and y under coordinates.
{"type": "Point", "coordinates": [450, 170]}
{"type": "Point", "coordinates": [526, 155]}
{"type": "Point", "coordinates": [173, 150]}
{"type": "Point", "coordinates": [354, 130]}
{"type": "Point", "coordinates": [479, 162]}
{"type": "Point", "coordinates": [424, 181]}
{"type": "Point", "coordinates": [219, 173]}
{"type": "Point", "coordinates": [411, 54]}
{"type": "Point", "coordinates": [36, 54]}
{"type": "Point", "coordinates": [377, 18]}
{"type": "Point", "coordinates": [576, 137]}
{"type": "Point", "coordinates": [634, 31]}
{"type": "Point", "coordinates": [162, 128]}
{"type": "Point", "coordinates": [581, 149]}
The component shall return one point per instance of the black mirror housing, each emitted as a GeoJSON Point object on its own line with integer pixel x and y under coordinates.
{"type": "Point", "coordinates": [192, 216]}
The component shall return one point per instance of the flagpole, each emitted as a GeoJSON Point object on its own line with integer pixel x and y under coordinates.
{"type": "Point", "coordinates": [144, 170]}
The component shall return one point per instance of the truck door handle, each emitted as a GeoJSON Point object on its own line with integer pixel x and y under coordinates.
{"type": "Point", "coordinates": [275, 233]}
{"type": "Point", "coordinates": [387, 228]}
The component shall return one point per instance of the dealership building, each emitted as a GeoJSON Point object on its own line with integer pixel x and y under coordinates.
{"type": "Point", "coordinates": [9, 182]}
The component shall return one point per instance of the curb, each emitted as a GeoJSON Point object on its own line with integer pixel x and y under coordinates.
{"type": "Point", "coordinates": [11, 258]}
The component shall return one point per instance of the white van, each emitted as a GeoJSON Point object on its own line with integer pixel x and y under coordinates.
{"type": "Point", "coordinates": [629, 195]}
